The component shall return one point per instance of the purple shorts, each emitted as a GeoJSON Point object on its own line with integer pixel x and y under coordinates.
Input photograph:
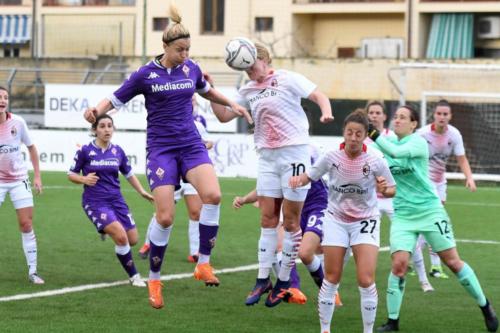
{"type": "Point", "coordinates": [104, 213]}
{"type": "Point", "coordinates": [310, 221]}
{"type": "Point", "coordinates": [166, 166]}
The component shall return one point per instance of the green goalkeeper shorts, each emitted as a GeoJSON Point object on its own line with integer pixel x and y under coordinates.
{"type": "Point", "coordinates": [434, 225]}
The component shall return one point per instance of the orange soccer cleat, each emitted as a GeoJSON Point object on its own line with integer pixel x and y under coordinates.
{"type": "Point", "coordinates": [193, 258]}
{"type": "Point", "coordinates": [338, 301]}
{"type": "Point", "coordinates": [296, 296]}
{"type": "Point", "coordinates": [205, 273]}
{"type": "Point", "coordinates": [155, 296]}
{"type": "Point", "coordinates": [144, 251]}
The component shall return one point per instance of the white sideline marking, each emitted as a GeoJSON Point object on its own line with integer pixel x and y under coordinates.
{"type": "Point", "coordinates": [68, 290]}
{"type": "Point", "coordinates": [477, 241]}
{"type": "Point", "coordinates": [180, 276]}
{"type": "Point", "coordinates": [471, 203]}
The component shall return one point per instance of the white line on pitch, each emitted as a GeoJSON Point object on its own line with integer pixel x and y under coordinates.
{"type": "Point", "coordinates": [180, 276]}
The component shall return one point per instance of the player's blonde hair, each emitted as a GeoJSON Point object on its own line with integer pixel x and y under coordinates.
{"type": "Point", "coordinates": [263, 53]}
{"type": "Point", "coordinates": [176, 30]}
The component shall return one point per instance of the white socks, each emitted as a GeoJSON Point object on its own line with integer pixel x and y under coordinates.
{"type": "Point", "coordinates": [159, 235]}
{"type": "Point", "coordinates": [194, 237]}
{"type": "Point", "coordinates": [369, 301]}
{"type": "Point", "coordinates": [291, 244]}
{"type": "Point", "coordinates": [30, 250]}
{"type": "Point", "coordinates": [314, 265]}
{"type": "Point", "coordinates": [122, 249]}
{"type": "Point", "coordinates": [326, 304]}
{"type": "Point", "coordinates": [268, 242]}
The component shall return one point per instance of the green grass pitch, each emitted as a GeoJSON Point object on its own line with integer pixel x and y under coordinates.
{"type": "Point", "coordinates": [72, 254]}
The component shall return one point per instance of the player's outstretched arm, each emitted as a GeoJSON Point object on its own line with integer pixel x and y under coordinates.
{"type": "Point", "coordinates": [464, 165]}
{"type": "Point", "coordinates": [37, 178]}
{"type": "Point", "coordinates": [136, 184]}
{"type": "Point", "coordinates": [324, 104]}
{"type": "Point", "coordinates": [250, 197]}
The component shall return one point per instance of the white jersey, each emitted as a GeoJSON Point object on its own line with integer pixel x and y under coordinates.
{"type": "Point", "coordinates": [441, 147]}
{"type": "Point", "coordinates": [352, 183]}
{"type": "Point", "coordinates": [202, 131]}
{"type": "Point", "coordinates": [388, 134]}
{"type": "Point", "coordinates": [276, 110]}
{"type": "Point", "coordinates": [13, 133]}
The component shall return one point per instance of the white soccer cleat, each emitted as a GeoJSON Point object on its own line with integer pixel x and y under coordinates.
{"type": "Point", "coordinates": [426, 287]}
{"type": "Point", "coordinates": [137, 281]}
{"type": "Point", "coordinates": [35, 279]}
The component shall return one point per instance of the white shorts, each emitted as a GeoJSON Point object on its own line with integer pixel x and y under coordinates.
{"type": "Point", "coordinates": [343, 234]}
{"type": "Point", "coordinates": [20, 193]}
{"type": "Point", "coordinates": [186, 189]}
{"type": "Point", "coordinates": [385, 207]}
{"type": "Point", "coordinates": [441, 190]}
{"type": "Point", "coordinates": [276, 166]}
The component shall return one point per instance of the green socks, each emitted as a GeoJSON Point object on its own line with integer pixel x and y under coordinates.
{"type": "Point", "coordinates": [395, 292]}
{"type": "Point", "coordinates": [469, 281]}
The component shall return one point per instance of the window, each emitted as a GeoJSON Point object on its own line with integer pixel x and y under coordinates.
{"type": "Point", "coordinates": [263, 24]}
{"type": "Point", "coordinates": [160, 23]}
{"type": "Point", "coordinates": [10, 2]}
{"type": "Point", "coordinates": [212, 16]}
{"type": "Point", "coordinates": [11, 52]}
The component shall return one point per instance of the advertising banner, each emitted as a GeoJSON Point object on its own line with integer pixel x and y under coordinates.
{"type": "Point", "coordinates": [66, 103]}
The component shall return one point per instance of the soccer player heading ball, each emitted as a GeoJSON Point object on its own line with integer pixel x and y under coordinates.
{"type": "Point", "coordinates": [174, 147]}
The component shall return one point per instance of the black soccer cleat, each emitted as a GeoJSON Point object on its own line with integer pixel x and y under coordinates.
{"type": "Point", "coordinates": [490, 317]}
{"type": "Point", "coordinates": [392, 325]}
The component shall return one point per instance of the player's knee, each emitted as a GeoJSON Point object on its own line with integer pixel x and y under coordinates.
{"type": "Point", "coordinates": [291, 224]}
{"type": "Point", "coordinates": [268, 221]}
{"type": "Point", "coordinates": [121, 239]}
{"type": "Point", "coordinates": [305, 256]}
{"type": "Point", "coordinates": [211, 198]}
{"type": "Point", "coordinates": [25, 224]}
{"type": "Point", "coordinates": [333, 276]}
{"type": "Point", "coordinates": [454, 264]}
{"type": "Point", "coordinates": [165, 219]}
{"type": "Point", "coordinates": [365, 280]}
{"type": "Point", "coordinates": [132, 240]}
{"type": "Point", "coordinates": [194, 214]}
{"type": "Point", "coordinates": [399, 267]}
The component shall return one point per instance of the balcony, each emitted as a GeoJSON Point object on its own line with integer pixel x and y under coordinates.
{"type": "Point", "coordinates": [79, 3]}
{"type": "Point", "coordinates": [301, 2]}
{"type": "Point", "coordinates": [458, 0]}
{"type": "Point", "coordinates": [348, 6]}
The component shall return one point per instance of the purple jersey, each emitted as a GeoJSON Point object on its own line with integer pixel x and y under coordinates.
{"type": "Point", "coordinates": [106, 164]}
{"type": "Point", "coordinates": [317, 196]}
{"type": "Point", "coordinates": [168, 96]}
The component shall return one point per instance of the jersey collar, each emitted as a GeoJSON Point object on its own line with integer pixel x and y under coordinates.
{"type": "Point", "coordinates": [433, 128]}
{"type": "Point", "coordinates": [157, 63]}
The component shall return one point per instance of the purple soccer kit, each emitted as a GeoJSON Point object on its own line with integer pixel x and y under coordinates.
{"type": "Point", "coordinates": [103, 203]}
{"type": "Point", "coordinates": [174, 145]}
{"type": "Point", "coordinates": [310, 221]}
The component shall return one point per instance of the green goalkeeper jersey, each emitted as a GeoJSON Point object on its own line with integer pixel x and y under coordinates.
{"type": "Point", "coordinates": [408, 160]}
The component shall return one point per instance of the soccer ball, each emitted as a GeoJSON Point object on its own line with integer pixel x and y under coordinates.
{"type": "Point", "coordinates": [240, 53]}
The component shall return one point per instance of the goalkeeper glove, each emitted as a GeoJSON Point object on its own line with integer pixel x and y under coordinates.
{"type": "Point", "coordinates": [373, 133]}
